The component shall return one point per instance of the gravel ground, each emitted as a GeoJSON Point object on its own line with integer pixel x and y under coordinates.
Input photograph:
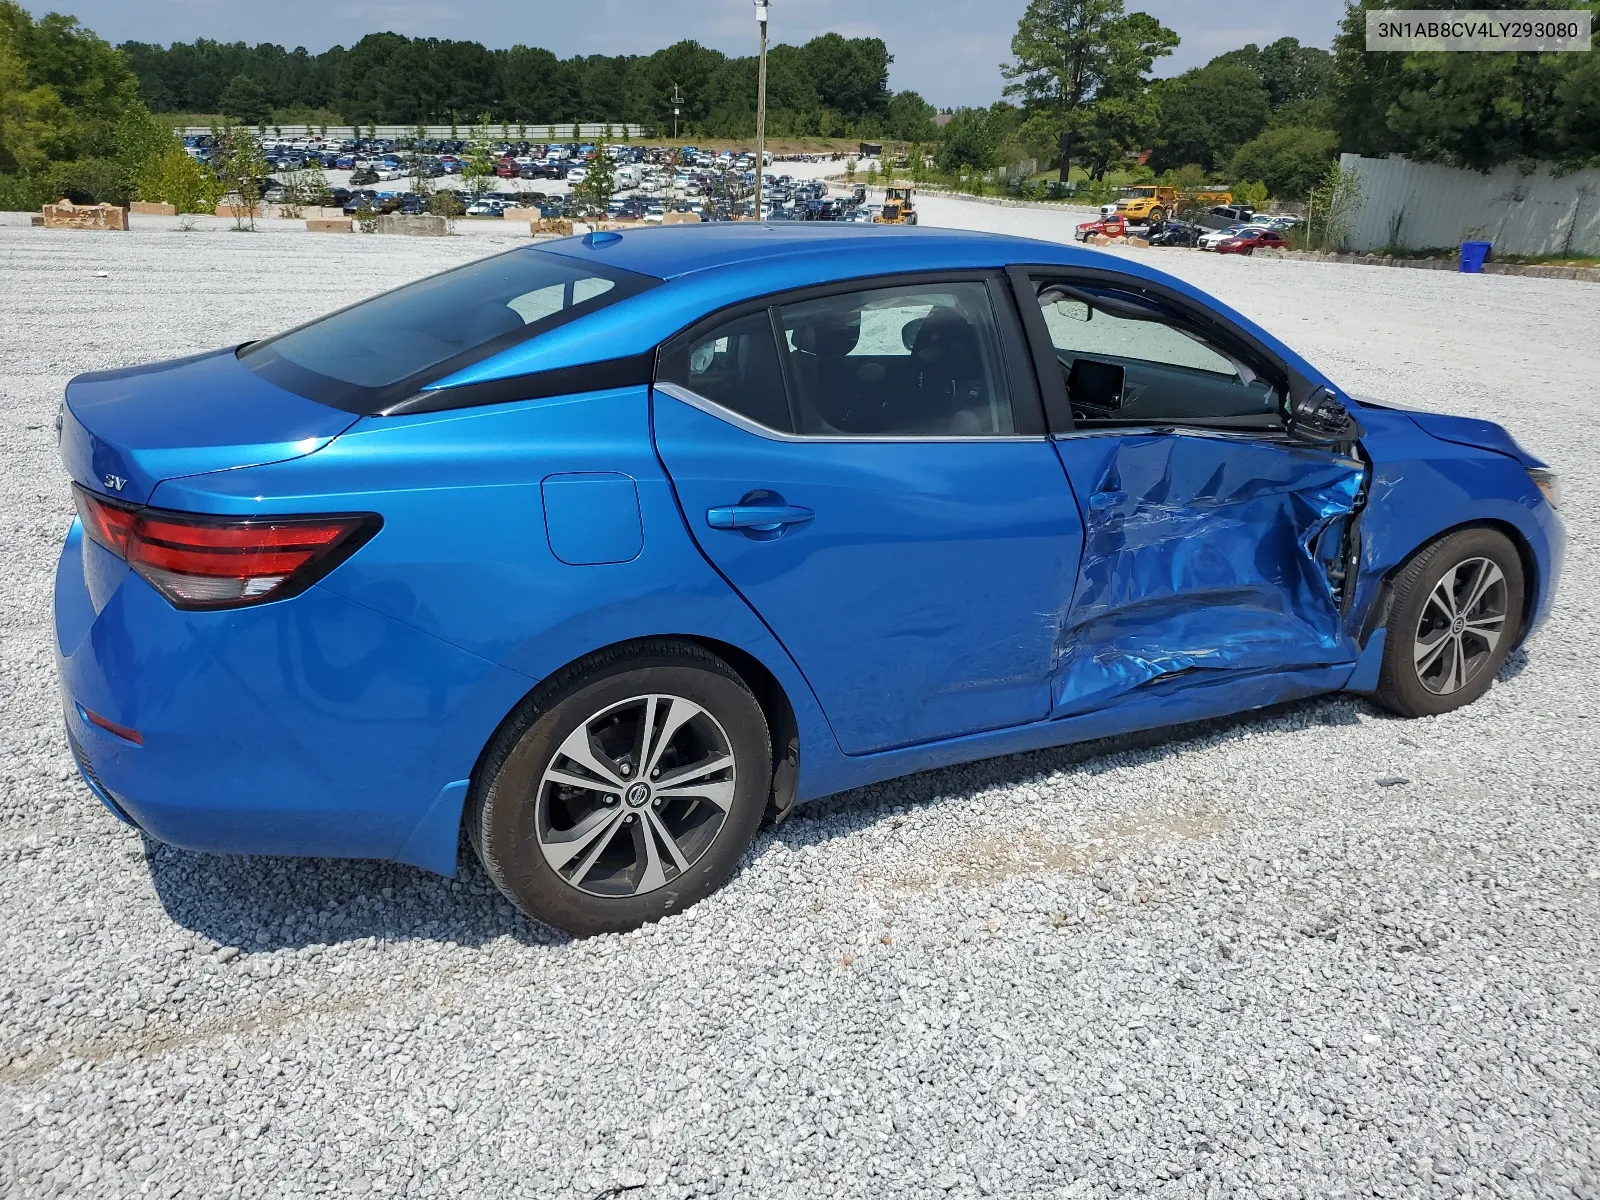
{"type": "Point", "coordinates": [1317, 952]}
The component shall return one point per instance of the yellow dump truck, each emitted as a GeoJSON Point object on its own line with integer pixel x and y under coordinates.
{"type": "Point", "coordinates": [1150, 202]}
{"type": "Point", "coordinates": [899, 207]}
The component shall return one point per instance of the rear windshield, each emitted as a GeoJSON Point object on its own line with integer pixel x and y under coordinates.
{"type": "Point", "coordinates": [378, 352]}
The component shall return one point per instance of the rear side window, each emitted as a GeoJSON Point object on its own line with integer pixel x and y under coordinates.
{"type": "Point", "coordinates": [735, 365]}
{"type": "Point", "coordinates": [916, 361]}
{"type": "Point", "coordinates": [367, 356]}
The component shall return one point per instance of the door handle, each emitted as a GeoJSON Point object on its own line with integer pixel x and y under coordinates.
{"type": "Point", "coordinates": [758, 518]}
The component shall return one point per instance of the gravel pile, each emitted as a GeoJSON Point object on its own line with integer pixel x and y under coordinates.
{"type": "Point", "coordinates": [1316, 952]}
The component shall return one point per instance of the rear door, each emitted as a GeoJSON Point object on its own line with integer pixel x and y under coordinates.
{"type": "Point", "coordinates": [869, 467]}
{"type": "Point", "coordinates": [1213, 544]}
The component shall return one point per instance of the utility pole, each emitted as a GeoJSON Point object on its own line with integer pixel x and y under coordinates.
{"type": "Point", "coordinates": [761, 104]}
{"type": "Point", "coordinates": [677, 106]}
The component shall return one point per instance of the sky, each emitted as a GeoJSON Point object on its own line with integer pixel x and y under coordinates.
{"type": "Point", "coordinates": [948, 50]}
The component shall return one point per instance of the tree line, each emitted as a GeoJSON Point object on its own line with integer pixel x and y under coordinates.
{"type": "Point", "coordinates": [75, 113]}
{"type": "Point", "coordinates": [1081, 91]}
{"type": "Point", "coordinates": [831, 86]}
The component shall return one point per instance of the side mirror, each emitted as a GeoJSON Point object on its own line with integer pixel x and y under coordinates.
{"type": "Point", "coordinates": [1321, 418]}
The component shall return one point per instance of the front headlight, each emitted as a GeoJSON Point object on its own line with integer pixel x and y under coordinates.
{"type": "Point", "coordinates": [1548, 482]}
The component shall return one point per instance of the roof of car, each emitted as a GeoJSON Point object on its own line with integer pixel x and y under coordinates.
{"type": "Point", "coordinates": [711, 266]}
{"type": "Point", "coordinates": [674, 251]}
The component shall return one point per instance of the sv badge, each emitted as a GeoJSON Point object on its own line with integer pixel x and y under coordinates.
{"type": "Point", "coordinates": [115, 482]}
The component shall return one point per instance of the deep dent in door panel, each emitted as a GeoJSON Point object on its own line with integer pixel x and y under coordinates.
{"type": "Point", "coordinates": [1195, 561]}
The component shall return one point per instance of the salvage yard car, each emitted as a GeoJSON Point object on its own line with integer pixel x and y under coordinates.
{"type": "Point", "coordinates": [598, 554]}
{"type": "Point", "coordinates": [1111, 227]}
{"type": "Point", "coordinates": [1251, 238]}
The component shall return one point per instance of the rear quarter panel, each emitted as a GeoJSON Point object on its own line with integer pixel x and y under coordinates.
{"type": "Point", "coordinates": [465, 553]}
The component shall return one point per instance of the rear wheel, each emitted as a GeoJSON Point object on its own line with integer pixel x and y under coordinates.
{"type": "Point", "coordinates": [627, 792]}
{"type": "Point", "coordinates": [1456, 613]}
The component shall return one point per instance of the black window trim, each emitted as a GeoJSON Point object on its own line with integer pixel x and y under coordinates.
{"type": "Point", "coordinates": [1027, 408]}
{"type": "Point", "coordinates": [1054, 389]}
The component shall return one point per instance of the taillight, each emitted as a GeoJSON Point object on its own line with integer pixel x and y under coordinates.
{"type": "Point", "coordinates": [203, 562]}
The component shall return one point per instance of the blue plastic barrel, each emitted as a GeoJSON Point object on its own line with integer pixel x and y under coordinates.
{"type": "Point", "coordinates": [1473, 255]}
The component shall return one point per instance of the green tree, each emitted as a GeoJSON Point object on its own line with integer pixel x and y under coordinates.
{"type": "Point", "coordinates": [1288, 70]}
{"type": "Point", "coordinates": [1082, 68]}
{"type": "Point", "coordinates": [969, 142]}
{"type": "Point", "coordinates": [849, 74]}
{"type": "Point", "coordinates": [1290, 160]}
{"type": "Point", "coordinates": [590, 197]}
{"type": "Point", "coordinates": [1208, 113]}
{"type": "Point", "coordinates": [478, 173]}
{"type": "Point", "coordinates": [245, 100]}
{"type": "Point", "coordinates": [71, 122]}
{"type": "Point", "coordinates": [1465, 110]}
{"type": "Point", "coordinates": [909, 119]}
{"type": "Point", "coordinates": [242, 171]}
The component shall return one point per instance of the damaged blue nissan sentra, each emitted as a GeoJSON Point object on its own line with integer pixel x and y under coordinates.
{"type": "Point", "coordinates": [604, 551]}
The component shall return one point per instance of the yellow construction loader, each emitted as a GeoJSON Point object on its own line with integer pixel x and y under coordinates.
{"type": "Point", "coordinates": [898, 207]}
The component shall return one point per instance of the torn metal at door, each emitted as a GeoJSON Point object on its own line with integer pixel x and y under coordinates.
{"type": "Point", "coordinates": [1202, 553]}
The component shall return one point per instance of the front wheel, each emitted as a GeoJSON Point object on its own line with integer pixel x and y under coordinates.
{"type": "Point", "coordinates": [1456, 613]}
{"type": "Point", "coordinates": [627, 792]}
{"type": "Point", "coordinates": [1157, 215]}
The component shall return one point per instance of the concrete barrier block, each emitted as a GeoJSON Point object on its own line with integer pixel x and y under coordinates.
{"type": "Point", "coordinates": [330, 225]}
{"type": "Point", "coordinates": [67, 215]}
{"type": "Point", "coordinates": [152, 208]}
{"type": "Point", "coordinates": [1139, 243]}
{"type": "Point", "coordinates": [680, 218]}
{"type": "Point", "coordinates": [233, 209]}
{"type": "Point", "coordinates": [522, 214]}
{"type": "Point", "coordinates": [560, 226]}
{"type": "Point", "coordinates": [409, 225]}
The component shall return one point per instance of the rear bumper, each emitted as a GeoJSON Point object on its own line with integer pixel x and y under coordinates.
{"type": "Point", "coordinates": [311, 726]}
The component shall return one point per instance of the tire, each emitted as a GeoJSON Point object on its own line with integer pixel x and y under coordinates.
{"type": "Point", "coordinates": [575, 834]}
{"type": "Point", "coordinates": [1455, 615]}
{"type": "Point", "coordinates": [1157, 215]}
{"type": "Point", "coordinates": [912, 219]}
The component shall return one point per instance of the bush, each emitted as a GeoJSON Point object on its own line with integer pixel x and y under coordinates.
{"type": "Point", "coordinates": [175, 178]}
{"type": "Point", "coordinates": [1251, 192]}
{"type": "Point", "coordinates": [89, 181]}
{"type": "Point", "coordinates": [446, 204]}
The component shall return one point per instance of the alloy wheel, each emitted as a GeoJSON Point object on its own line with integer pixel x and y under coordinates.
{"type": "Point", "coordinates": [1461, 624]}
{"type": "Point", "coordinates": [635, 795]}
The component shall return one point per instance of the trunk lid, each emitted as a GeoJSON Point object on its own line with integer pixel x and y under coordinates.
{"type": "Point", "coordinates": [123, 432]}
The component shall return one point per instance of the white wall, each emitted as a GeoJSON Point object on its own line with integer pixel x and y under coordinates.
{"type": "Point", "coordinates": [1533, 213]}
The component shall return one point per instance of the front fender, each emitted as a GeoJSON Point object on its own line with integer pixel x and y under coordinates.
{"type": "Point", "coordinates": [1422, 488]}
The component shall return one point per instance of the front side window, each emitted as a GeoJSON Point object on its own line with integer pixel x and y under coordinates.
{"type": "Point", "coordinates": [916, 361]}
{"type": "Point", "coordinates": [1126, 359]}
{"type": "Point", "coordinates": [363, 357]}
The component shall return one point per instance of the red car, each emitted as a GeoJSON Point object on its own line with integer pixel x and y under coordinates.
{"type": "Point", "coordinates": [1106, 227]}
{"type": "Point", "coordinates": [1247, 241]}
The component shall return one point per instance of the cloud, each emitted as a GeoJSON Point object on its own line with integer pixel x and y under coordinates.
{"type": "Point", "coordinates": [949, 50]}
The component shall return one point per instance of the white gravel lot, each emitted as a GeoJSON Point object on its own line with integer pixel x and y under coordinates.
{"type": "Point", "coordinates": [1222, 961]}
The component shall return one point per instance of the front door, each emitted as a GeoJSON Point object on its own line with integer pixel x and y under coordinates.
{"type": "Point", "coordinates": [869, 469]}
{"type": "Point", "coordinates": [1213, 545]}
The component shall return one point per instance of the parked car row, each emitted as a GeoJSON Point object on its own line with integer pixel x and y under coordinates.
{"type": "Point", "coordinates": [1242, 236]}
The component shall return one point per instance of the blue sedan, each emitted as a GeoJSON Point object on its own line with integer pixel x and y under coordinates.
{"type": "Point", "coordinates": [606, 551]}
